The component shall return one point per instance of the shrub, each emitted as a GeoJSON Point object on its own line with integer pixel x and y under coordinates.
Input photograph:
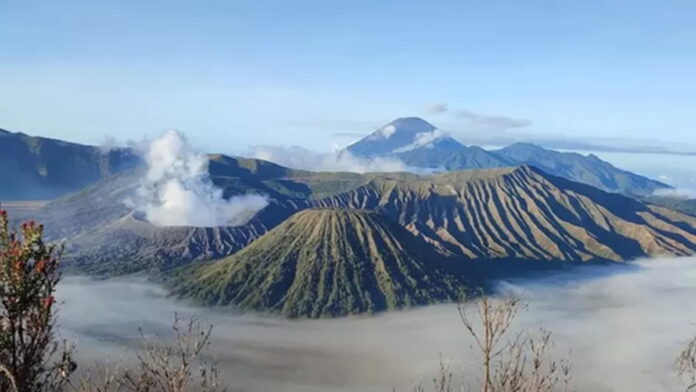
{"type": "Point", "coordinates": [31, 359]}
{"type": "Point", "coordinates": [510, 361]}
{"type": "Point", "coordinates": [163, 365]}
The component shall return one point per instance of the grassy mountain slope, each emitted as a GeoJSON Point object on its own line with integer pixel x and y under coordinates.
{"type": "Point", "coordinates": [325, 262]}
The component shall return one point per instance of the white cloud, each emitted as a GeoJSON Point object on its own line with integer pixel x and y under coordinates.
{"type": "Point", "coordinates": [383, 133]}
{"type": "Point", "coordinates": [492, 122]}
{"type": "Point", "coordinates": [388, 130]}
{"type": "Point", "coordinates": [302, 158]}
{"type": "Point", "coordinates": [680, 193]}
{"type": "Point", "coordinates": [177, 190]}
{"type": "Point", "coordinates": [436, 108]}
{"type": "Point", "coordinates": [423, 139]}
{"type": "Point", "coordinates": [108, 144]}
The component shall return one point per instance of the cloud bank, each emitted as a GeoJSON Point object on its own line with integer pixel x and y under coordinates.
{"type": "Point", "coordinates": [478, 121]}
{"type": "Point", "coordinates": [491, 122]}
{"type": "Point", "coordinates": [677, 193]}
{"type": "Point", "coordinates": [301, 158]}
{"type": "Point", "coordinates": [504, 130]}
{"type": "Point", "coordinates": [177, 190]}
{"type": "Point", "coordinates": [625, 326]}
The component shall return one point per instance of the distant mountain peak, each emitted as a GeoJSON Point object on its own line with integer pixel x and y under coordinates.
{"type": "Point", "coordinates": [412, 124]}
{"type": "Point", "coordinates": [417, 143]}
{"type": "Point", "coordinates": [402, 135]}
{"type": "Point", "coordinates": [403, 127]}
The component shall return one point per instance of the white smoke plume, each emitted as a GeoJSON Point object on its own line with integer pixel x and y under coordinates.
{"type": "Point", "coordinates": [177, 190]}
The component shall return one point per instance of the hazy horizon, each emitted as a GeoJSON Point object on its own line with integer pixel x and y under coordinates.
{"type": "Point", "coordinates": [668, 167]}
{"type": "Point", "coordinates": [316, 74]}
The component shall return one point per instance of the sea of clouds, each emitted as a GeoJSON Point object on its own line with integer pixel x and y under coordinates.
{"type": "Point", "coordinates": [624, 324]}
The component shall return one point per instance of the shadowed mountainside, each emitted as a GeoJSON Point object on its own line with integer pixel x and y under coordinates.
{"type": "Point", "coordinates": [420, 144]}
{"type": "Point", "coordinates": [45, 168]}
{"type": "Point", "coordinates": [323, 263]}
{"type": "Point", "coordinates": [587, 169]}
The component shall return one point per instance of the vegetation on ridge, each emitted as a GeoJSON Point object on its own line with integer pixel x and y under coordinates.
{"type": "Point", "coordinates": [326, 262]}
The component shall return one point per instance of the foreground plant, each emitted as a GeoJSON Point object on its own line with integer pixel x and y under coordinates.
{"type": "Point", "coordinates": [510, 361]}
{"type": "Point", "coordinates": [686, 364]}
{"type": "Point", "coordinates": [164, 365]}
{"type": "Point", "coordinates": [513, 362]}
{"type": "Point", "coordinates": [31, 359]}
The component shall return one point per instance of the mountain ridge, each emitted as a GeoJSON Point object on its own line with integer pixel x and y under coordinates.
{"type": "Point", "coordinates": [428, 153]}
{"type": "Point", "coordinates": [45, 168]}
{"type": "Point", "coordinates": [523, 213]}
{"type": "Point", "coordinates": [518, 213]}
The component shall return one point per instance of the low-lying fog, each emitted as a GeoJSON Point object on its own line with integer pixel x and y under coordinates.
{"type": "Point", "coordinates": [624, 325]}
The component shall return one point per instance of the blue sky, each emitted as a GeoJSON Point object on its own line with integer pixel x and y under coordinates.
{"type": "Point", "coordinates": [232, 74]}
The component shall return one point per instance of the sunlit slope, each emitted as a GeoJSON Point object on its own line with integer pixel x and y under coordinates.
{"type": "Point", "coordinates": [326, 262]}
{"type": "Point", "coordinates": [505, 213]}
{"type": "Point", "coordinates": [524, 213]}
{"type": "Point", "coordinates": [678, 203]}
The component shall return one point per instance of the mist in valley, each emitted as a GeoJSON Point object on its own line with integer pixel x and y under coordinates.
{"type": "Point", "coordinates": [624, 324]}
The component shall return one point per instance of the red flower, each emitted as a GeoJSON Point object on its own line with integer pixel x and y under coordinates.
{"type": "Point", "coordinates": [40, 266]}
{"type": "Point", "coordinates": [19, 265]}
{"type": "Point", "coordinates": [48, 301]}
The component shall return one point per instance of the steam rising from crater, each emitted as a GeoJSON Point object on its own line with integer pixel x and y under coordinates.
{"type": "Point", "coordinates": [177, 190]}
